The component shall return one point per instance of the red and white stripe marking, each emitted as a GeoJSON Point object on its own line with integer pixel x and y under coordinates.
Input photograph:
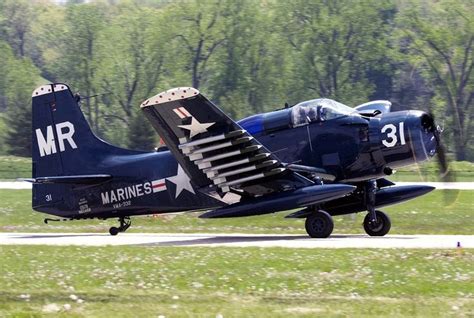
{"type": "Point", "coordinates": [181, 112]}
{"type": "Point", "coordinates": [158, 185]}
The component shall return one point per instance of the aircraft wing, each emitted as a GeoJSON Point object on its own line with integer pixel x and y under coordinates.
{"type": "Point", "coordinates": [213, 149]}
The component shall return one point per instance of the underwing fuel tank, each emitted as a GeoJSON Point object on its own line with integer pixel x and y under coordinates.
{"type": "Point", "coordinates": [384, 196]}
{"type": "Point", "coordinates": [282, 201]}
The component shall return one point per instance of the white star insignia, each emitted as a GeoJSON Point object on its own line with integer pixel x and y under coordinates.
{"type": "Point", "coordinates": [182, 182]}
{"type": "Point", "coordinates": [195, 128]}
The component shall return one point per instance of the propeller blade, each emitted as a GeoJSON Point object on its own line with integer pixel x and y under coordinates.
{"type": "Point", "coordinates": [446, 175]}
{"type": "Point", "coordinates": [442, 162]}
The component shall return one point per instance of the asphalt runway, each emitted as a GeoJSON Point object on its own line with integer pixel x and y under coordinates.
{"type": "Point", "coordinates": [19, 185]}
{"type": "Point", "coordinates": [239, 240]}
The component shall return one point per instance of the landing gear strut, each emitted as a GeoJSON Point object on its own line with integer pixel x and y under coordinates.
{"type": "Point", "coordinates": [125, 223]}
{"type": "Point", "coordinates": [319, 224]}
{"type": "Point", "coordinates": [376, 223]}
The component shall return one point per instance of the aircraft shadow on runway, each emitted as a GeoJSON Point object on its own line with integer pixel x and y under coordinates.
{"type": "Point", "coordinates": [227, 239]}
{"type": "Point", "coordinates": [39, 236]}
{"type": "Point", "coordinates": [249, 239]}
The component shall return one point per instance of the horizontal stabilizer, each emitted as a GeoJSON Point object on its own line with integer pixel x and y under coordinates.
{"type": "Point", "coordinates": [282, 201]}
{"type": "Point", "coordinates": [79, 179]}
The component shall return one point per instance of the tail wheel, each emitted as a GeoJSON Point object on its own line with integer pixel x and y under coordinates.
{"type": "Point", "coordinates": [125, 223]}
{"type": "Point", "coordinates": [319, 224]}
{"type": "Point", "coordinates": [380, 227]}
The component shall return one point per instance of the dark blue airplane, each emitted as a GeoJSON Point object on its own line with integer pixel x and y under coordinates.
{"type": "Point", "coordinates": [319, 156]}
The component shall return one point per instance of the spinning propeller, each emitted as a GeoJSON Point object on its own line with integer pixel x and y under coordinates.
{"type": "Point", "coordinates": [446, 175]}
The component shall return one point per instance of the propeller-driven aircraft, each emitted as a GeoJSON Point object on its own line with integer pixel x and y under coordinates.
{"type": "Point", "coordinates": [319, 156]}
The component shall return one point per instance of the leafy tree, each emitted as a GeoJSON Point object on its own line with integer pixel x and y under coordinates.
{"type": "Point", "coordinates": [48, 34]}
{"type": "Point", "coordinates": [335, 44]}
{"type": "Point", "coordinates": [15, 24]}
{"type": "Point", "coordinates": [18, 80]}
{"type": "Point", "coordinates": [248, 72]}
{"type": "Point", "coordinates": [141, 135]}
{"type": "Point", "coordinates": [246, 56]}
{"type": "Point", "coordinates": [79, 54]}
{"type": "Point", "coordinates": [130, 71]}
{"type": "Point", "coordinates": [440, 41]}
{"type": "Point", "coordinates": [198, 29]}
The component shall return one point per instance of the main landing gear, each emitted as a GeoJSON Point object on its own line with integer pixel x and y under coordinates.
{"type": "Point", "coordinates": [376, 223]}
{"type": "Point", "coordinates": [378, 227]}
{"type": "Point", "coordinates": [125, 223]}
{"type": "Point", "coordinates": [319, 224]}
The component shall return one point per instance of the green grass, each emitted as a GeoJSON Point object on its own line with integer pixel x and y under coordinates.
{"type": "Point", "coordinates": [426, 215]}
{"type": "Point", "coordinates": [12, 167]}
{"type": "Point", "coordinates": [463, 171]}
{"type": "Point", "coordinates": [235, 282]}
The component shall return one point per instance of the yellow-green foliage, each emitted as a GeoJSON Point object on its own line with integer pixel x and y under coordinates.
{"type": "Point", "coordinates": [246, 56]}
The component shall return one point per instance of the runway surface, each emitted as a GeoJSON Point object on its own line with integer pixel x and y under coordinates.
{"type": "Point", "coordinates": [19, 185]}
{"type": "Point", "coordinates": [239, 240]}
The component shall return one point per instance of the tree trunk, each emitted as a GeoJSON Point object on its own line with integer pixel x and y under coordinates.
{"type": "Point", "coordinates": [196, 60]}
{"type": "Point", "coordinates": [460, 150]}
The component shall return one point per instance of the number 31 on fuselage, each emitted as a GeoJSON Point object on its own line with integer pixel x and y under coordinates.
{"type": "Point", "coordinates": [392, 138]}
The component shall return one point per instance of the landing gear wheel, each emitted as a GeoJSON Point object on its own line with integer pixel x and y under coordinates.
{"type": "Point", "coordinates": [319, 224]}
{"type": "Point", "coordinates": [114, 231]}
{"type": "Point", "coordinates": [124, 225]}
{"type": "Point", "coordinates": [380, 227]}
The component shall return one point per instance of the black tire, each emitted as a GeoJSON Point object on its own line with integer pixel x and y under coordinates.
{"type": "Point", "coordinates": [319, 224]}
{"type": "Point", "coordinates": [380, 228]}
{"type": "Point", "coordinates": [114, 231]}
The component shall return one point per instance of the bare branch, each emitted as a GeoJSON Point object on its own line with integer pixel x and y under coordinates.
{"type": "Point", "coordinates": [446, 58]}
{"type": "Point", "coordinates": [214, 19]}
{"type": "Point", "coordinates": [186, 42]}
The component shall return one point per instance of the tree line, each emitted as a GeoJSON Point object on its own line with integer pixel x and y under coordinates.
{"type": "Point", "coordinates": [247, 56]}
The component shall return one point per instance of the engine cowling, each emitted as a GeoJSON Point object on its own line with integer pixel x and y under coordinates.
{"type": "Point", "coordinates": [405, 137]}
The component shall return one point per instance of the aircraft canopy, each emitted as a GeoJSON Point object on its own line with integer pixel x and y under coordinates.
{"type": "Point", "coordinates": [320, 109]}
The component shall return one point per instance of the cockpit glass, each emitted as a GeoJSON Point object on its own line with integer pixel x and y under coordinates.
{"type": "Point", "coordinates": [320, 109]}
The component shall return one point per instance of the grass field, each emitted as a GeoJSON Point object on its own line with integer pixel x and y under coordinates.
{"type": "Point", "coordinates": [463, 171]}
{"type": "Point", "coordinates": [150, 281]}
{"type": "Point", "coordinates": [426, 215]}
{"type": "Point", "coordinates": [14, 167]}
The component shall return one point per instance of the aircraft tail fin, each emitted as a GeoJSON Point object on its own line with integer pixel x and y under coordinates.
{"type": "Point", "coordinates": [63, 143]}
{"type": "Point", "coordinates": [63, 146]}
